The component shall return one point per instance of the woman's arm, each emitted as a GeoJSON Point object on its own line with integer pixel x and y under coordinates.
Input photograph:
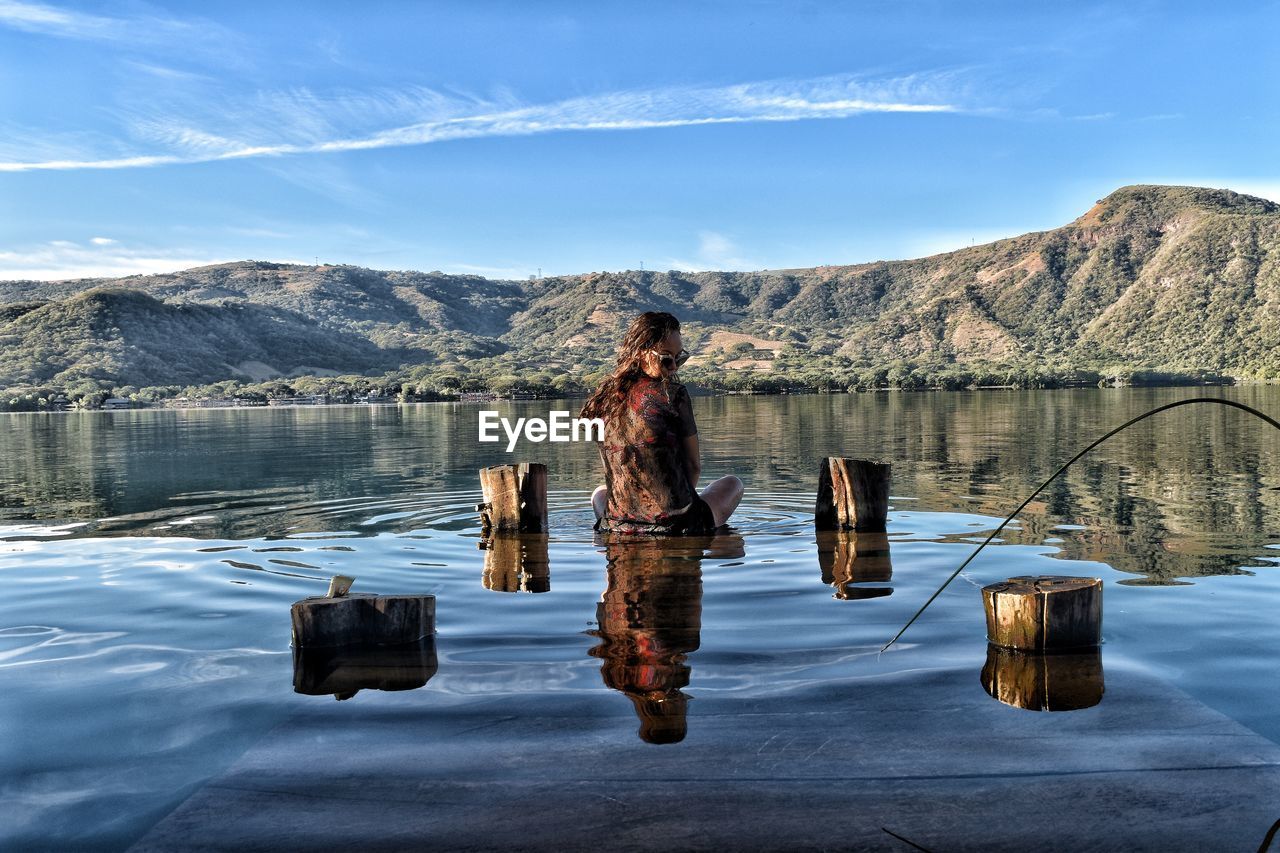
{"type": "Point", "coordinates": [692, 460]}
{"type": "Point", "coordinates": [689, 428]}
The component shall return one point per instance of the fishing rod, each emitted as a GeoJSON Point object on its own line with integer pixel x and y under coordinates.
{"type": "Point", "coordinates": [1072, 461]}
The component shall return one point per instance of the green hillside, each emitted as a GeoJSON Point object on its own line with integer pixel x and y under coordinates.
{"type": "Point", "coordinates": [1178, 280]}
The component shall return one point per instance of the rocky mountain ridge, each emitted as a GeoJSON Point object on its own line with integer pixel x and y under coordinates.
{"type": "Point", "coordinates": [1179, 278]}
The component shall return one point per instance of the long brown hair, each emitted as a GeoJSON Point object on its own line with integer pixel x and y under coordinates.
{"type": "Point", "coordinates": [646, 332]}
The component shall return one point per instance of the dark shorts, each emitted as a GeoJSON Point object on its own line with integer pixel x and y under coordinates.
{"type": "Point", "coordinates": [697, 520]}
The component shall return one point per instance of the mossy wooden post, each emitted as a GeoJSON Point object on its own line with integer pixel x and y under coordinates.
{"type": "Point", "coordinates": [1042, 613]}
{"type": "Point", "coordinates": [853, 494]}
{"type": "Point", "coordinates": [514, 498]}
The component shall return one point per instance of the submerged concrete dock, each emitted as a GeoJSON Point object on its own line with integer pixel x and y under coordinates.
{"type": "Point", "coordinates": [921, 760]}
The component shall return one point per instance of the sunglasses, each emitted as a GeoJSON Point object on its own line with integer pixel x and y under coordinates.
{"type": "Point", "coordinates": [669, 361]}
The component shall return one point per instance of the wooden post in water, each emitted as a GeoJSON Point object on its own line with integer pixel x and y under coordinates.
{"type": "Point", "coordinates": [362, 619]}
{"type": "Point", "coordinates": [1042, 613]}
{"type": "Point", "coordinates": [853, 494]}
{"type": "Point", "coordinates": [514, 498]}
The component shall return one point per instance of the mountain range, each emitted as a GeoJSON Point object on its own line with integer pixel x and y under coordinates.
{"type": "Point", "coordinates": [1150, 278]}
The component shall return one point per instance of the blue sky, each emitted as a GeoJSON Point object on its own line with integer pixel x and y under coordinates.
{"type": "Point", "coordinates": [504, 138]}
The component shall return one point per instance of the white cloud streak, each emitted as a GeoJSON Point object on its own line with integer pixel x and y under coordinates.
{"type": "Point", "coordinates": [59, 260]}
{"type": "Point", "coordinates": [187, 38]}
{"type": "Point", "coordinates": [49, 20]}
{"type": "Point", "coordinates": [299, 122]}
{"type": "Point", "coordinates": [504, 273]}
{"type": "Point", "coordinates": [58, 22]}
{"type": "Point", "coordinates": [716, 251]}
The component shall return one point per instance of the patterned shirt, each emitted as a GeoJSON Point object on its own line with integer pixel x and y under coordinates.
{"type": "Point", "coordinates": [644, 455]}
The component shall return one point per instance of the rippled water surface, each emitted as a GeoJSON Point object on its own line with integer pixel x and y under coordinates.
{"type": "Point", "coordinates": [148, 561]}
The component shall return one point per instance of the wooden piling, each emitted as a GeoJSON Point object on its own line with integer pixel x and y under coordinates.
{"type": "Point", "coordinates": [1044, 613]}
{"type": "Point", "coordinates": [514, 498]}
{"type": "Point", "coordinates": [1056, 681]}
{"type": "Point", "coordinates": [362, 619]}
{"type": "Point", "coordinates": [853, 494]}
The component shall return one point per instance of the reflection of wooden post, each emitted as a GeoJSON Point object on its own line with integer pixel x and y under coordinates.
{"type": "Point", "coordinates": [515, 498]}
{"type": "Point", "coordinates": [1047, 612]}
{"type": "Point", "coordinates": [361, 618]}
{"type": "Point", "coordinates": [516, 563]}
{"type": "Point", "coordinates": [847, 559]}
{"type": "Point", "coordinates": [1062, 681]}
{"type": "Point", "coordinates": [345, 670]}
{"type": "Point", "coordinates": [853, 494]}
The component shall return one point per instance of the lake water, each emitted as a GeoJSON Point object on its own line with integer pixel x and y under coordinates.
{"type": "Point", "coordinates": [148, 561]}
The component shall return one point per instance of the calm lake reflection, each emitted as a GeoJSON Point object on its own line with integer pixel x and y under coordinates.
{"type": "Point", "coordinates": [149, 559]}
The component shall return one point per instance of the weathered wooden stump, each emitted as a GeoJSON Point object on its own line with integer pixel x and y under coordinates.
{"type": "Point", "coordinates": [853, 494]}
{"type": "Point", "coordinates": [514, 498]}
{"type": "Point", "coordinates": [516, 562]}
{"type": "Point", "coordinates": [362, 619]}
{"type": "Point", "coordinates": [345, 670]}
{"type": "Point", "coordinates": [848, 558]}
{"type": "Point", "coordinates": [1044, 613]}
{"type": "Point", "coordinates": [1056, 681]}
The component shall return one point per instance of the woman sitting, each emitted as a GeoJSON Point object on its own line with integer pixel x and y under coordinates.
{"type": "Point", "coordinates": [650, 448]}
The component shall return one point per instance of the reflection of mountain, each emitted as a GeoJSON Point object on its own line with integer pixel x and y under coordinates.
{"type": "Point", "coordinates": [243, 473]}
{"type": "Point", "coordinates": [1187, 493]}
{"type": "Point", "coordinates": [649, 621]}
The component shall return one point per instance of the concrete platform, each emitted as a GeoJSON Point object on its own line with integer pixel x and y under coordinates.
{"type": "Point", "coordinates": [925, 755]}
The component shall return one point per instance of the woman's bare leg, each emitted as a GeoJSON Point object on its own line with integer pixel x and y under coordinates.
{"type": "Point", "coordinates": [600, 501]}
{"type": "Point", "coordinates": [723, 496]}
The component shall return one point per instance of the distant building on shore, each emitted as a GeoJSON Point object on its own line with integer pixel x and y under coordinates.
{"type": "Point", "coordinates": [302, 400]}
{"type": "Point", "coordinates": [212, 403]}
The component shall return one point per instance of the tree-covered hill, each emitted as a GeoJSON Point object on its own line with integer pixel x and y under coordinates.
{"type": "Point", "coordinates": [1155, 278]}
{"type": "Point", "coordinates": [123, 336]}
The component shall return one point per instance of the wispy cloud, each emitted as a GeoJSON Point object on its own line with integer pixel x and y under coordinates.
{"type": "Point", "coordinates": [716, 251]}
{"type": "Point", "coordinates": [50, 20]}
{"type": "Point", "coordinates": [507, 273]}
{"type": "Point", "coordinates": [186, 37]}
{"type": "Point", "coordinates": [300, 122]}
{"type": "Point", "coordinates": [167, 73]}
{"type": "Point", "coordinates": [102, 257]}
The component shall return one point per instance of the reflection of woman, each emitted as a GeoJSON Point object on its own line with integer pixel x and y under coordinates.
{"type": "Point", "coordinates": [650, 450]}
{"type": "Point", "coordinates": [650, 618]}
